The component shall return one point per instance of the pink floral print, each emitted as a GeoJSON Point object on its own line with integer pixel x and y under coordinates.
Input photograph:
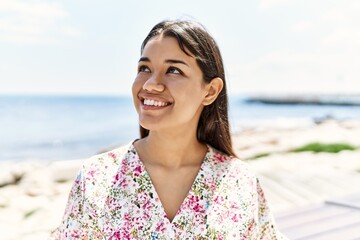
{"type": "Point", "coordinates": [113, 198]}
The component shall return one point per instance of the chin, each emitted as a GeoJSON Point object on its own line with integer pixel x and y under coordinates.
{"type": "Point", "coordinates": [149, 126]}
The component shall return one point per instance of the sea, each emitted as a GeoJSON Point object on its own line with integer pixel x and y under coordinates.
{"type": "Point", "coordinates": [52, 128]}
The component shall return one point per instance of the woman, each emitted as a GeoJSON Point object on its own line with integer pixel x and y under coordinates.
{"type": "Point", "coordinates": [181, 179]}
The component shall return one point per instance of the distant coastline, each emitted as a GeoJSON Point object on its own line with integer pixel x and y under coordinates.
{"type": "Point", "coordinates": [334, 99]}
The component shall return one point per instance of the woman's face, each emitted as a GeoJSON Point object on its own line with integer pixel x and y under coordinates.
{"type": "Point", "coordinates": [169, 89]}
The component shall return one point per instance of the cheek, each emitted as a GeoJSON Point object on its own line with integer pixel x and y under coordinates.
{"type": "Point", "coordinates": [193, 92]}
{"type": "Point", "coordinates": [136, 88]}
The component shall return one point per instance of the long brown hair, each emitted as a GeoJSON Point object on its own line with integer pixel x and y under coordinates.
{"type": "Point", "coordinates": [213, 126]}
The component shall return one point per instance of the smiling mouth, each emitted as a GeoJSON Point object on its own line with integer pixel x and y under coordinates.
{"type": "Point", "coordinates": [151, 102]}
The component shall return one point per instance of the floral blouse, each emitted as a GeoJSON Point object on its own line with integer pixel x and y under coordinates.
{"type": "Point", "coordinates": [113, 198]}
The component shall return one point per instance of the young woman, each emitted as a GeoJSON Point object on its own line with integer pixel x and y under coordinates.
{"type": "Point", "coordinates": [181, 179]}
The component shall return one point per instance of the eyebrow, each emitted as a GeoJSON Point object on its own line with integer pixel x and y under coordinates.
{"type": "Point", "coordinates": [144, 59]}
{"type": "Point", "coordinates": [173, 61]}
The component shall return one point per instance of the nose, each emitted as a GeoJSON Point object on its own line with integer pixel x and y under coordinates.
{"type": "Point", "coordinates": [154, 84]}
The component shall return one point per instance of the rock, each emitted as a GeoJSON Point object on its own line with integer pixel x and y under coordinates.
{"type": "Point", "coordinates": [11, 173]}
{"type": "Point", "coordinates": [6, 178]}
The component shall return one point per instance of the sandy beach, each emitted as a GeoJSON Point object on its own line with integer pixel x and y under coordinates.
{"type": "Point", "coordinates": [33, 194]}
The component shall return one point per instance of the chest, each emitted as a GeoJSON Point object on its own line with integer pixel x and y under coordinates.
{"type": "Point", "coordinates": [172, 187]}
{"type": "Point", "coordinates": [167, 205]}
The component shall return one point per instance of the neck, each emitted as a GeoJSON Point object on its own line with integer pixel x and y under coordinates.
{"type": "Point", "coordinates": [171, 150]}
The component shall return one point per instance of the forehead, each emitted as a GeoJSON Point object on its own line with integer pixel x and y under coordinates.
{"type": "Point", "coordinates": [164, 46]}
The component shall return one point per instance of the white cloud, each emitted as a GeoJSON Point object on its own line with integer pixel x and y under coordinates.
{"type": "Point", "coordinates": [33, 22]}
{"type": "Point", "coordinates": [336, 25]}
{"type": "Point", "coordinates": [33, 8]}
{"type": "Point", "coordinates": [324, 58]}
{"type": "Point", "coordinates": [286, 70]}
{"type": "Point", "coordinates": [345, 27]}
{"type": "Point", "coordinates": [70, 31]}
{"type": "Point", "coordinates": [301, 26]}
{"type": "Point", "coordinates": [263, 4]}
{"type": "Point", "coordinates": [347, 37]}
{"type": "Point", "coordinates": [335, 15]}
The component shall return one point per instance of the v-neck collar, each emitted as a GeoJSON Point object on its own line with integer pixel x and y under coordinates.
{"type": "Point", "coordinates": [189, 195]}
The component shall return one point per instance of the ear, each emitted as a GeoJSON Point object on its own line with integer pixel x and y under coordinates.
{"type": "Point", "coordinates": [213, 88]}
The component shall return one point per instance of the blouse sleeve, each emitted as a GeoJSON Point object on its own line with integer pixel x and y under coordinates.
{"type": "Point", "coordinates": [266, 224]}
{"type": "Point", "coordinates": [83, 211]}
{"type": "Point", "coordinates": [72, 225]}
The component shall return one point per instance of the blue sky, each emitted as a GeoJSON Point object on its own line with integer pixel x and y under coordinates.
{"type": "Point", "coordinates": [92, 47]}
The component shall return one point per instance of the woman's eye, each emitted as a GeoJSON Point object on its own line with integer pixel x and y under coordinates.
{"type": "Point", "coordinates": [174, 70]}
{"type": "Point", "coordinates": [143, 69]}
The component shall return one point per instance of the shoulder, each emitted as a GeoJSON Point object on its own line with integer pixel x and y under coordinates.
{"type": "Point", "coordinates": [230, 163]}
{"type": "Point", "coordinates": [237, 172]}
{"type": "Point", "coordinates": [110, 157]}
{"type": "Point", "coordinates": [98, 172]}
{"type": "Point", "coordinates": [103, 165]}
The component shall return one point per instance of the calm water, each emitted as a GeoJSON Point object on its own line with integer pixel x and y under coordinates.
{"type": "Point", "coordinates": [58, 128]}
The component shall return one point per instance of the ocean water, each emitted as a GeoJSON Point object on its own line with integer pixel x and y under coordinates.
{"type": "Point", "coordinates": [72, 127]}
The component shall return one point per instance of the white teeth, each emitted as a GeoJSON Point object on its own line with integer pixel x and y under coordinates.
{"type": "Point", "coordinates": [154, 103]}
